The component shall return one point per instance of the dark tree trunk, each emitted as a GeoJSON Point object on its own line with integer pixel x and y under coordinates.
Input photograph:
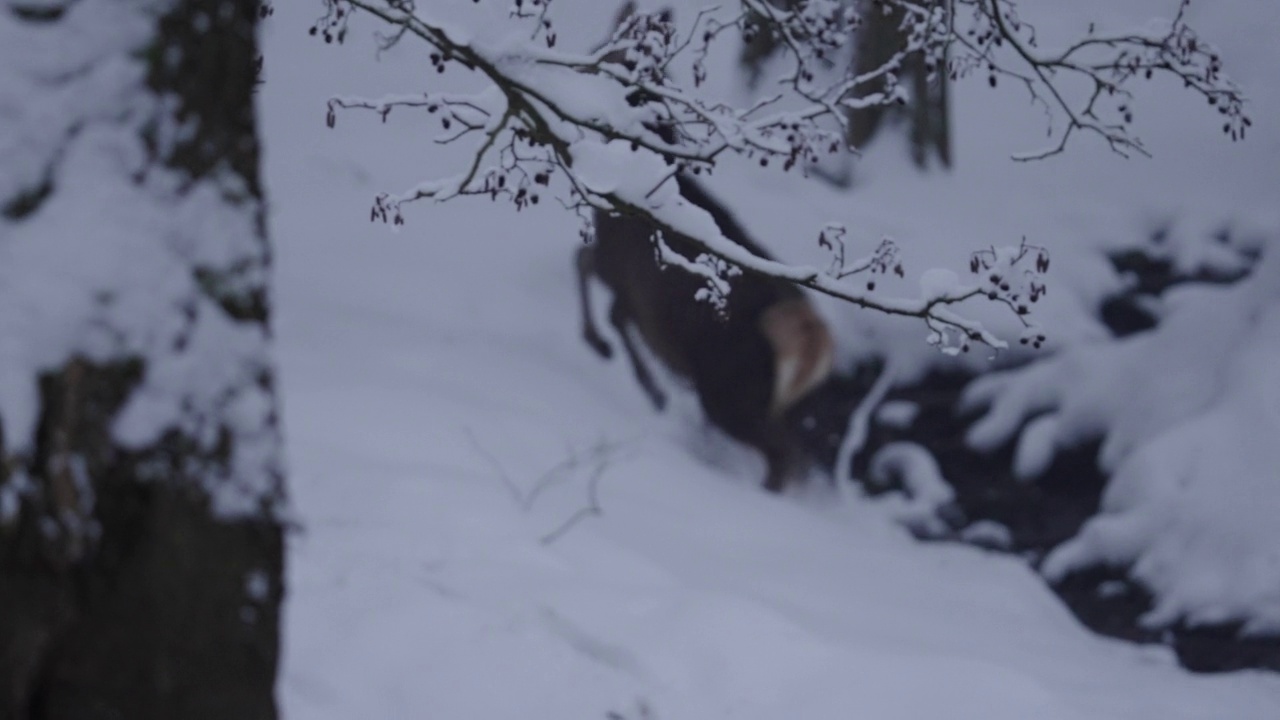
{"type": "Point", "coordinates": [141, 551]}
{"type": "Point", "coordinates": [926, 112]}
{"type": "Point", "coordinates": [878, 39]}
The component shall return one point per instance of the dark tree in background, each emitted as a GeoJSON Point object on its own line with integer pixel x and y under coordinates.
{"type": "Point", "coordinates": [140, 480]}
{"type": "Point", "coordinates": [926, 112]}
{"type": "Point", "coordinates": [879, 36]}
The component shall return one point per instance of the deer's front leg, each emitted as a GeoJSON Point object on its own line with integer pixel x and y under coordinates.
{"type": "Point", "coordinates": [586, 261]}
{"type": "Point", "coordinates": [621, 319]}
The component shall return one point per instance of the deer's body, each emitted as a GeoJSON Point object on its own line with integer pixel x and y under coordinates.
{"type": "Point", "coordinates": [748, 368]}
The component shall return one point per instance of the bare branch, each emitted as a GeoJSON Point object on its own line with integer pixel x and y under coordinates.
{"type": "Point", "coordinates": [535, 134]}
{"type": "Point", "coordinates": [1002, 44]}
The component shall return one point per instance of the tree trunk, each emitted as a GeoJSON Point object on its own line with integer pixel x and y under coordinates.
{"type": "Point", "coordinates": [141, 550]}
{"type": "Point", "coordinates": [877, 40]}
{"type": "Point", "coordinates": [926, 111]}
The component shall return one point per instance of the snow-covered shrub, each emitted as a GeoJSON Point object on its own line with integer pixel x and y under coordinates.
{"type": "Point", "coordinates": [1190, 416]}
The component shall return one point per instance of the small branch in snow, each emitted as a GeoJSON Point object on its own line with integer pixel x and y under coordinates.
{"type": "Point", "coordinates": [596, 461]}
{"type": "Point", "coordinates": [591, 509]}
{"type": "Point", "coordinates": [517, 495]}
{"type": "Point", "coordinates": [643, 712]}
{"type": "Point", "coordinates": [855, 437]}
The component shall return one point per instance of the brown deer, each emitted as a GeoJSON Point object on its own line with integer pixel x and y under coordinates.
{"type": "Point", "coordinates": [749, 365]}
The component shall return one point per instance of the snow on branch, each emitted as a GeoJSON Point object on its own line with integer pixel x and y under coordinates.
{"type": "Point", "coordinates": [610, 129]}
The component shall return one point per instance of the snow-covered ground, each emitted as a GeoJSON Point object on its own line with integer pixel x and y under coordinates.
{"type": "Point", "coordinates": [446, 425]}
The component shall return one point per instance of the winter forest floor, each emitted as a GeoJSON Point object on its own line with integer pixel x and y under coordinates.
{"type": "Point", "coordinates": [447, 427]}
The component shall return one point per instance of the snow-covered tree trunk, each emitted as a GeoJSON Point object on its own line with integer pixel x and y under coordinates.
{"type": "Point", "coordinates": [140, 478]}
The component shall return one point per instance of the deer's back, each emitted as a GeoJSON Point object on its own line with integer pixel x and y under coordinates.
{"type": "Point", "coordinates": [682, 332]}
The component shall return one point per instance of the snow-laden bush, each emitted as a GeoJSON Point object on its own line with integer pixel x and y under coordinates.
{"type": "Point", "coordinates": [1190, 416]}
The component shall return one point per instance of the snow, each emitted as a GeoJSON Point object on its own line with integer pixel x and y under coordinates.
{"type": "Point", "coordinates": [428, 372]}
{"type": "Point", "coordinates": [1189, 412]}
{"type": "Point", "coordinates": [1193, 508]}
{"type": "Point", "coordinates": [103, 269]}
{"type": "Point", "coordinates": [897, 414]}
{"type": "Point", "coordinates": [48, 285]}
{"type": "Point", "coordinates": [1036, 447]}
{"type": "Point", "coordinates": [925, 491]}
{"type": "Point", "coordinates": [937, 283]}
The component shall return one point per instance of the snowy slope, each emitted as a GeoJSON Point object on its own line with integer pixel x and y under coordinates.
{"type": "Point", "coordinates": [421, 368]}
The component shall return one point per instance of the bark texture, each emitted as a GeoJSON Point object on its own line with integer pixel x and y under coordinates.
{"type": "Point", "coordinates": [126, 591]}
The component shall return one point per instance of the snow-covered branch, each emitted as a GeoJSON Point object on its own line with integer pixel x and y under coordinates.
{"type": "Point", "coordinates": [610, 129]}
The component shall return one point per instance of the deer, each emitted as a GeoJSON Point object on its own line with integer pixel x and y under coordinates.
{"type": "Point", "coordinates": [749, 363]}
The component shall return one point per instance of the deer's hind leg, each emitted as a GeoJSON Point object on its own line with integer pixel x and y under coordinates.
{"type": "Point", "coordinates": [787, 462]}
{"type": "Point", "coordinates": [586, 261]}
{"type": "Point", "coordinates": [738, 398]}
